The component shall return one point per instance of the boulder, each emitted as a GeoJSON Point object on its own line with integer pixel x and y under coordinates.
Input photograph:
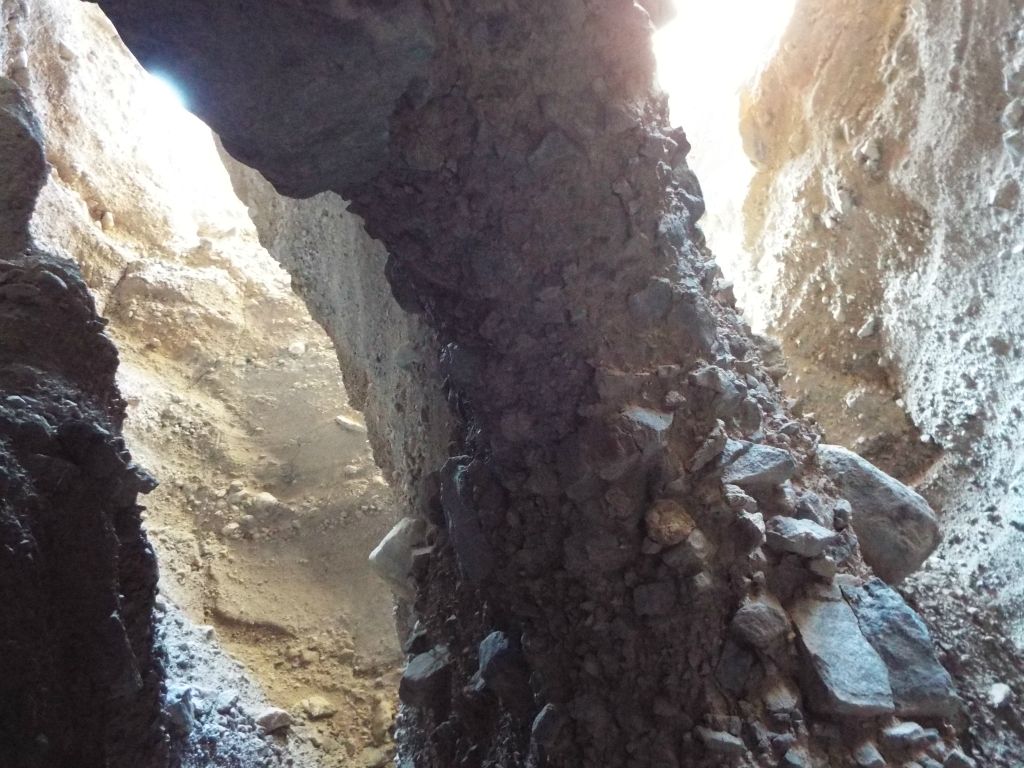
{"type": "Point", "coordinates": [896, 527]}
{"type": "Point", "coordinates": [847, 676]}
{"type": "Point", "coordinates": [920, 685]}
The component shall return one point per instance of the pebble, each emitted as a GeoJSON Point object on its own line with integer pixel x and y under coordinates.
{"type": "Point", "coordinates": [297, 348]}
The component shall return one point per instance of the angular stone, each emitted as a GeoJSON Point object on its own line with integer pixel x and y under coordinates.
{"type": "Point", "coordinates": [721, 742]}
{"type": "Point", "coordinates": [957, 759]}
{"type": "Point", "coordinates": [273, 719]}
{"type": "Point", "coordinates": [849, 678]}
{"type": "Point", "coordinates": [800, 537]}
{"type": "Point", "coordinates": [425, 680]}
{"type": "Point", "coordinates": [896, 527]}
{"type": "Point", "coordinates": [760, 622]}
{"type": "Point", "coordinates": [868, 756]}
{"type": "Point", "coordinates": [503, 669]}
{"type": "Point", "coordinates": [760, 466]}
{"type": "Point", "coordinates": [392, 558]}
{"type": "Point", "coordinates": [921, 687]}
{"type": "Point", "coordinates": [903, 736]}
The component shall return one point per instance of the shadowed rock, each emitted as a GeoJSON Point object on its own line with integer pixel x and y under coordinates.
{"type": "Point", "coordinates": [896, 527]}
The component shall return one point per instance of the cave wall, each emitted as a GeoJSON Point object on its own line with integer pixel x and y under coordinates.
{"type": "Point", "coordinates": [885, 220]}
{"type": "Point", "coordinates": [79, 677]}
{"type": "Point", "coordinates": [632, 548]}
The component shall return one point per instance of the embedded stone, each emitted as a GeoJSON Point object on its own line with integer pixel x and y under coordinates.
{"type": "Point", "coordinates": [903, 736]}
{"type": "Point", "coordinates": [896, 528]}
{"type": "Point", "coordinates": [799, 537]}
{"type": "Point", "coordinates": [868, 756]}
{"type": "Point", "coordinates": [760, 466]}
{"type": "Point", "coordinates": [503, 669]}
{"type": "Point", "coordinates": [424, 682]}
{"type": "Point", "coordinates": [653, 302]}
{"type": "Point", "coordinates": [847, 675]}
{"type": "Point", "coordinates": [721, 742]}
{"type": "Point", "coordinates": [668, 523]}
{"type": "Point", "coordinates": [760, 622]}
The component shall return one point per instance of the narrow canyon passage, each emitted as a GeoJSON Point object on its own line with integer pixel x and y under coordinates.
{"type": "Point", "coordinates": [628, 530]}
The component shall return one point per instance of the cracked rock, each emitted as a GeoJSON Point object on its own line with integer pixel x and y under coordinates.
{"type": "Point", "coordinates": [847, 676]}
{"type": "Point", "coordinates": [920, 684]}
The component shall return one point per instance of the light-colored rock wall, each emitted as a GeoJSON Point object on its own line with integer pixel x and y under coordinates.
{"type": "Point", "coordinates": [886, 222]}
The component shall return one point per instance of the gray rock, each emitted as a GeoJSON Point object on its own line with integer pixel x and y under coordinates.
{"type": "Point", "coordinates": [903, 736]}
{"type": "Point", "coordinates": [760, 622]}
{"type": "Point", "coordinates": [503, 669]}
{"type": "Point", "coordinates": [180, 710]}
{"type": "Point", "coordinates": [848, 677]}
{"type": "Point", "coordinates": [896, 527]}
{"type": "Point", "coordinates": [424, 682]}
{"type": "Point", "coordinates": [721, 742]}
{"type": "Point", "coordinates": [545, 731]}
{"type": "Point", "coordinates": [690, 556]}
{"type": "Point", "coordinates": [799, 537]}
{"type": "Point", "coordinates": [868, 756]}
{"type": "Point", "coordinates": [957, 759]}
{"type": "Point", "coordinates": [921, 687]}
{"type": "Point", "coordinates": [225, 701]}
{"type": "Point", "coordinates": [472, 550]}
{"type": "Point", "coordinates": [760, 466]}
{"type": "Point", "coordinates": [273, 719]}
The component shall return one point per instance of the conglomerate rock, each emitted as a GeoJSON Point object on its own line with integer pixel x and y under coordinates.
{"type": "Point", "coordinates": [79, 678]}
{"type": "Point", "coordinates": [540, 216]}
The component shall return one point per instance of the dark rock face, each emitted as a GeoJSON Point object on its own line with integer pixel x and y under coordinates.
{"type": "Point", "coordinates": [540, 217]}
{"type": "Point", "coordinates": [79, 680]}
{"type": "Point", "coordinates": [346, 62]}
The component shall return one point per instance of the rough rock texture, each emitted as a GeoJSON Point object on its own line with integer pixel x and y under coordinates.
{"type": "Point", "coordinates": [539, 216]}
{"type": "Point", "coordinates": [79, 680]}
{"type": "Point", "coordinates": [885, 223]}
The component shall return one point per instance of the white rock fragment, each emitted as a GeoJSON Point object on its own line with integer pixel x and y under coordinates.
{"type": "Point", "coordinates": [107, 221]}
{"type": "Point", "coordinates": [350, 425]}
{"type": "Point", "coordinates": [392, 558]}
{"type": "Point", "coordinates": [297, 348]}
{"type": "Point", "coordinates": [999, 695]}
{"type": "Point", "coordinates": [870, 327]}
